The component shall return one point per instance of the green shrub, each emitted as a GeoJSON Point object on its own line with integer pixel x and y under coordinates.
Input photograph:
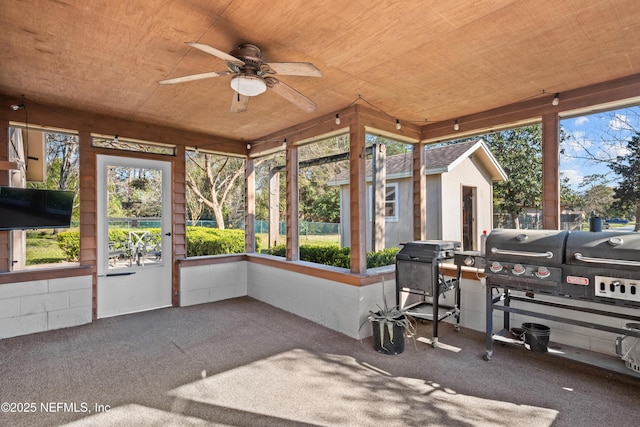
{"type": "Point", "coordinates": [382, 258]}
{"type": "Point", "coordinates": [69, 242]}
{"type": "Point", "coordinates": [200, 241]}
{"type": "Point", "coordinates": [338, 257]}
{"type": "Point", "coordinates": [213, 241]}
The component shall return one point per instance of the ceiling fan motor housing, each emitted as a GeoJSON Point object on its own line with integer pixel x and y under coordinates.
{"type": "Point", "coordinates": [252, 58]}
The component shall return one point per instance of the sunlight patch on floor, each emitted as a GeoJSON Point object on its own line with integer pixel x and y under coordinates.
{"type": "Point", "coordinates": [338, 391]}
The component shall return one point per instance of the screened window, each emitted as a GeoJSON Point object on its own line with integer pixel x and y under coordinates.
{"type": "Point", "coordinates": [48, 165]}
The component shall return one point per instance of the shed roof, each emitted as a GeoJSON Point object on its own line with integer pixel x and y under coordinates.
{"type": "Point", "coordinates": [438, 160]}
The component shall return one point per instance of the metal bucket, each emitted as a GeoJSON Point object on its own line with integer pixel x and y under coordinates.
{"type": "Point", "coordinates": [536, 336]}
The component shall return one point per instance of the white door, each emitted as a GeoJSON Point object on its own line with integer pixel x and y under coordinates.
{"type": "Point", "coordinates": [134, 235]}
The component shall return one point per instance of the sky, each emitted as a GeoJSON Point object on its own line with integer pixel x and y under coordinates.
{"type": "Point", "coordinates": [601, 136]}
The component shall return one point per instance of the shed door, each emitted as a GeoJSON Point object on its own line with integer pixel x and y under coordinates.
{"type": "Point", "coordinates": [468, 218]}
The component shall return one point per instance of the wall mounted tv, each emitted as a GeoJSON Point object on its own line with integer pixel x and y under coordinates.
{"type": "Point", "coordinates": [23, 208]}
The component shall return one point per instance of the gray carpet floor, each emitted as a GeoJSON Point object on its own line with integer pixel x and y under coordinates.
{"type": "Point", "coordinates": [244, 363]}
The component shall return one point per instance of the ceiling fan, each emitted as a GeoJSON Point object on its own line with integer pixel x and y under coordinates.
{"type": "Point", "coordinates": [252, 76]}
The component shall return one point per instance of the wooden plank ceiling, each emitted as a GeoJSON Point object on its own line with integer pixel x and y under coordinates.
{"type": "Point", "coordinates": [415, 60]}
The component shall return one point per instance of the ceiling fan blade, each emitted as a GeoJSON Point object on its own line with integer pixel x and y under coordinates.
{"type": "Point", "coordinates": [239, 103]}
{"type": "Point", "coordinates": [293, 96]}
{"type": "Point", "coordinates": [215, 52]}
{"type": "Point", "coordinates": [194, 77]}
{"type": "Point", "coordinates": [295, 69]}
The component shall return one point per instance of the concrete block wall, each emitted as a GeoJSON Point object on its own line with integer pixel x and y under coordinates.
{"type": "Point", "coordinates": [208, 283]}
{"type": "Point", "coordinates": [43, 305]}
{"type": "Point", "coordinates": [338, 306]}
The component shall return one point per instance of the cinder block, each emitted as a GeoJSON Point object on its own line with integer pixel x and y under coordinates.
{"type": "Point", "coordinates": [67, 318]}
{"type": "Point", "coordinates": [200, 296]}
{"type": "Point", "coordinates": [12, 290]}
{"type": "Point", "coordinates": [9, 308]}
{"type": "Point", "coordinates": [80, 298]}
{"type": "Point", "coordinates": [45, 302]}
{"type": "Point", "coordinates": [69, 283]}
{"type": "Point", "coordinates": [220, 293]}
{"type": "Point", "coordinates": [23, 325]}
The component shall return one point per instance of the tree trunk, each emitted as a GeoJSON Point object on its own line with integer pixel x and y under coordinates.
{"type": "Point", "coordinates": [516, 221]}
{"type": "Point", "coordinates": [637, 227]}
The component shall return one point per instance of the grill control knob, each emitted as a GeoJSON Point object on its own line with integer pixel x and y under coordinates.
{"type": "Point", "coordinates": [469, 261]}
{"type": "Point", "coordinates": [496, 267]}
{"type": "Point", "coordinates": [543, 272]}
{"type": "Point", "coordinates": [518, 269]}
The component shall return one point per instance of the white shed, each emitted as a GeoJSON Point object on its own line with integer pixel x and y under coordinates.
{"type": "Point", "coordinates": [459, 195]}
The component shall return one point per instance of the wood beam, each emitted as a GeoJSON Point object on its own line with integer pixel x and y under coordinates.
{"type": "Point", "coordinates": [379, 182]}
{"type": "Point", "coordinates": [178, 220]}
{"type": "Point", "coordinates": [419, 193]}
{"type": "Point", "coordinates": [531, 110]}
{"type": "Point", "coordinates": [293, 239]}
{"type": "Point", "coordinates": [76, 120]}
{"type": "Point", "coordinates": [88, 212]}
{"type": "Point", "coordinates": [5, 236]}
{"type": "Point", "coordinates": [357, 197]}
{"type": "Point", "coordinates": [550, 172]}
{"type": "Point", "coordinates": [250, 206]}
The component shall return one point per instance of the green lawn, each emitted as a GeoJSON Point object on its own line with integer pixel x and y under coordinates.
{"type": "Point", "coordinates": [42, 248]}
{"type": "Point", "coordinates": [318, 240]}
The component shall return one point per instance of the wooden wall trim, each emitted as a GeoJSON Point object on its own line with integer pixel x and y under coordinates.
{"type": "Point", "coordinates": [178, 220]}
{"type": "Point", "coordinates": [210, 260]}
{"type": "Point", "coordinates": [46, 274]}
{"type": "Point", "coordinates": [88, 192]}
{"type": "Point", "coordinates": [324, 272]}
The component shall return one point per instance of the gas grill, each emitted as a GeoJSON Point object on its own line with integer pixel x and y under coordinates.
{"type": "Point", "coordinates": [417, 272]}
{"type": "Point", "coordinates": [604, 267]}
{"type": "Point", "coordinates": [527, 260]}
{"type": "Point", "coordinates": [599, 267]}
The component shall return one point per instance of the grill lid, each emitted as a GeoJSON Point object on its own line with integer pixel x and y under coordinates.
{"type": "Point", "coordinates": [538, 247]}
{"type": "Point", "coordinates": [605, 248]}
{"type": "Point", "coordinates": [423, 249]}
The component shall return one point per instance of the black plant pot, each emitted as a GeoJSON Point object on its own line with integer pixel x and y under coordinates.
{"type": "Point", "coordinates": [385, 345]}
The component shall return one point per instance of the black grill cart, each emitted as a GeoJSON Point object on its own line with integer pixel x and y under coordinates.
{"type": "Point", "coordinates": [418, 272]}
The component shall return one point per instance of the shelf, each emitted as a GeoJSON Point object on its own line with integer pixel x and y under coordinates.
{"type": "Point", "coordinates": [600, 360]}
{"type": "Point", "coordinates": [424, 310]}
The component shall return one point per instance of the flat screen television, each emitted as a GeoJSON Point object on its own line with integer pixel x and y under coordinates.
{"type": "Point", "coordinates": [28, 208]}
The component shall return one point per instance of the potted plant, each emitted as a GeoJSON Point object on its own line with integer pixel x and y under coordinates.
{"type": "Point", "coordinates": [389, 325]}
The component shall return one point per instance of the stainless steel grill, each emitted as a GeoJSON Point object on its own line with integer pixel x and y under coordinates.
{"type": "Point", "coordinates": [601, 267]}
{"type": "Point", "coordinates": [528, 260]}
{"type": "Point", "coordinates": [604, 267]}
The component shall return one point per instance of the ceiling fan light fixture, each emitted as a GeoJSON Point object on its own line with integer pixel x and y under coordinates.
{"type": "Point", "coordinates": [248, 85]}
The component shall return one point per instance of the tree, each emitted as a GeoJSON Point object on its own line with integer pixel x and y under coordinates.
{"type": "Point", "coordinates": [627, 193]}
{"type": "Point", "coordinates": [320, 202]}
{"type": "Point", "coordinates": [598, 199]}
{"type": "Point", "coordinates": [216, 182]}
{"type": "Point", "coordinates": [519, 153]}
{"type": "Point", "coordinates": [61, 151]}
